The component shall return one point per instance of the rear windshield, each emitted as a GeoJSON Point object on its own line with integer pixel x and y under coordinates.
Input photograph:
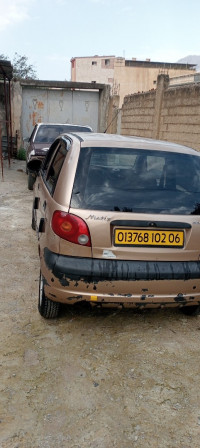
{"type": "Point", "coordinates": [48, 134]}
{"type": "Point", "coordinates": [135, 180]}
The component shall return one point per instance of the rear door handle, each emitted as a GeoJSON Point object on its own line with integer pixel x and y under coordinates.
{"type": "Point", "coordinates": [41, 228]}
{"type": "Point", "coordinates": [36, 203]}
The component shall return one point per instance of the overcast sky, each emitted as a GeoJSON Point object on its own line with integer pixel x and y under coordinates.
{"type": "Point", "coordinates": [51, 32]}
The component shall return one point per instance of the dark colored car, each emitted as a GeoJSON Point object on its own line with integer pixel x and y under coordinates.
{"type": "Point", "coordinates": [118, 223]}
{"type": "Point", "coordinates": [40, 140]}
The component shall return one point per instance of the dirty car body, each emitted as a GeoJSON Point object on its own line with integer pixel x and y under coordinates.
{"type": "Point", "coordinates": [40, 140]}
{"type": "Point", "coordinates": [118, 223]}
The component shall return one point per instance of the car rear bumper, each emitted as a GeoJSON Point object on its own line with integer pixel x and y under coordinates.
{"type": "Point", "coordinates": [72, 279]}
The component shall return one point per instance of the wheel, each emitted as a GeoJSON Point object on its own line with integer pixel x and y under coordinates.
{"type": "Point", "coordinates": [47, 308]}
{"type": "Point", "coordinates": [33, 223]}
{"type": "Point", "coordinates": [191, 310]}
{"type": "Point", "coordinates": [31, 180]}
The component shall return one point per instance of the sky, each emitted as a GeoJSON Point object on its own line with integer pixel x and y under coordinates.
{"type": "Point", "coordinates": [51, 32]}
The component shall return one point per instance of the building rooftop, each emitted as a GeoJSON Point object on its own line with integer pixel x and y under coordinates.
{"type": "Point", "coordinates": [134, 62]}
{"type": "Point", "coordinates": [148, 63]}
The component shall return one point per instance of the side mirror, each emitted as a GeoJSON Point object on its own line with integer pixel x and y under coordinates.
{"type": "Point", "coordinates": [34, 165]}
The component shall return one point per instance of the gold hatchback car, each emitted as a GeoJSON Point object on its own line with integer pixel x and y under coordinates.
{"type": "Point", "coordinates": [118, 223]}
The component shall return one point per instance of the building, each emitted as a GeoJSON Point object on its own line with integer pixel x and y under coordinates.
{"type": "Point", "coordinates": [125, 76]}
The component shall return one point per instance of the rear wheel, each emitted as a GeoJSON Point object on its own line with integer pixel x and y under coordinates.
{"type": "Point", "coordinates": [31, 180]}
{"type": "Point", "coordinates": [47, 308]}
{"type": "Point", "coordinates": [191, 310]}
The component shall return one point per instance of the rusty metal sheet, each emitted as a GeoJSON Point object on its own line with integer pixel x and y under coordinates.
{"type": "Point", "coordinates": [58, 106]}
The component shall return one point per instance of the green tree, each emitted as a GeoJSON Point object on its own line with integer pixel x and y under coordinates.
{"type": "Point", "coordinates": [3, 57]}
{"type": "Point", "coordinates": [22, 69]}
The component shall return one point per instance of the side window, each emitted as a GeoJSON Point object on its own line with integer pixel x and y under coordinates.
{"type": "Point", "coordinates": [48, 158]}
{"type": "Point", "coordinates": [55, 166]}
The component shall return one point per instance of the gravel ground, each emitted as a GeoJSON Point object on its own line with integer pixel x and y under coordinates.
{"type": "Point", "coordinates": [90, 379]}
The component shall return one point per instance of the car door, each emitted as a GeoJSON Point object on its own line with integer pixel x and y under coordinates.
{"type": "Point", "coordinates": [45, 186]}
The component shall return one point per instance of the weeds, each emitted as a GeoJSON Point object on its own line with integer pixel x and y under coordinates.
{"type": "Point", "coordinates": [21, 154]}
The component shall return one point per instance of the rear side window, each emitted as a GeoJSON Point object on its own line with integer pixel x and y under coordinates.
{"type": "Point", "coordinates": [54, 168]}
{"type": "Point", "coordinates": [136, 180]}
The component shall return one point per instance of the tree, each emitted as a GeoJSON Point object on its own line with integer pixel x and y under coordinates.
{"type": "Point", "coordinates": [3, 57]}
{"type": "Point", "coordinates": [21, 68]}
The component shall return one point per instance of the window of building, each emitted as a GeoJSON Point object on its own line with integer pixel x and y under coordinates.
{"type": "Point", "coordinates": [107, 62]}
{"type": "Point", "coordinates": [94, 62]}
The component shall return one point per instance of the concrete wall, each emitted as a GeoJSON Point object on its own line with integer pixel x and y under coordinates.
{"type": "Point", "coordinates": [16, 98]}
{"type": "Point", "coordinates": [2, 110]}
{"type": "Point", "coordinates": [180, 115]}
{"type": "Point", "coordinates": [138, 115]}
{"type": "Point", "coordinates": [113, 116]}
{"type": "Point", "coordinates": [171, 114]}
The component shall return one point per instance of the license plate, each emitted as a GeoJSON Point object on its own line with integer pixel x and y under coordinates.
{"type": "Point", "coordinates": [152, 238]}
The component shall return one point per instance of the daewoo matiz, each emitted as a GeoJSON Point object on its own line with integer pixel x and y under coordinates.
{"type": "Point", "coordinates": [118, 223]}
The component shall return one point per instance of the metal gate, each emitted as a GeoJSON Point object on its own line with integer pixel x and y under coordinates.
{"type": "Point", "coordinates": [58, 106]}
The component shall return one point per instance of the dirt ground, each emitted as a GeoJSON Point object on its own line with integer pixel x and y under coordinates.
{"type": "Point", "coordinates": [90, 379]}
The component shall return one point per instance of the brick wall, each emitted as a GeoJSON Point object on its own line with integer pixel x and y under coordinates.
{"type": "Point", "coordinates": [171, 114]}
{"type": "Point", "coordinates": [138, 114]}
{"type": "Point", "coordinates": [180, 116]}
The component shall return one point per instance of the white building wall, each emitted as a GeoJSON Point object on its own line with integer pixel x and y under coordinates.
{"type": "Point", "coordinates": [99, 69]}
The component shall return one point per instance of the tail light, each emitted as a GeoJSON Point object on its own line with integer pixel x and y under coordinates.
{"type": "Point", "coordinates": [71, 228]}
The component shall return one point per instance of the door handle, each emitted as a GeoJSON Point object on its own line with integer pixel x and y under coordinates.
{"type": "Point", "coordinates": [36, 203]}
{"type": "Point", "coordinates": [41, 228]}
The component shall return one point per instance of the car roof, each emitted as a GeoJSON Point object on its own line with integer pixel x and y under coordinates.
{"type": "Point", "coordinates": [64, 124]}
{"type": "Point", "coordinates": [115, 140]}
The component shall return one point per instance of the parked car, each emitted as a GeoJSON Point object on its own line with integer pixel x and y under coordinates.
{"type": "Point", "coordinates": [40, 140]}
{"type": "Point", "coordinates": [118, 223]}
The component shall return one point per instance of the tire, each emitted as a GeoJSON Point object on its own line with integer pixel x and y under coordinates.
{"type": "Point", "coordinates": [47, 308]}
{"type": "Point", "coordinates": [191, 310]}
{"type": "Point", "coordinates": [31, 180]}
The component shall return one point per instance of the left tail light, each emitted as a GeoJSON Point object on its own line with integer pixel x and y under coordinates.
{"type": "Point", "coordinates": [71, 228]}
